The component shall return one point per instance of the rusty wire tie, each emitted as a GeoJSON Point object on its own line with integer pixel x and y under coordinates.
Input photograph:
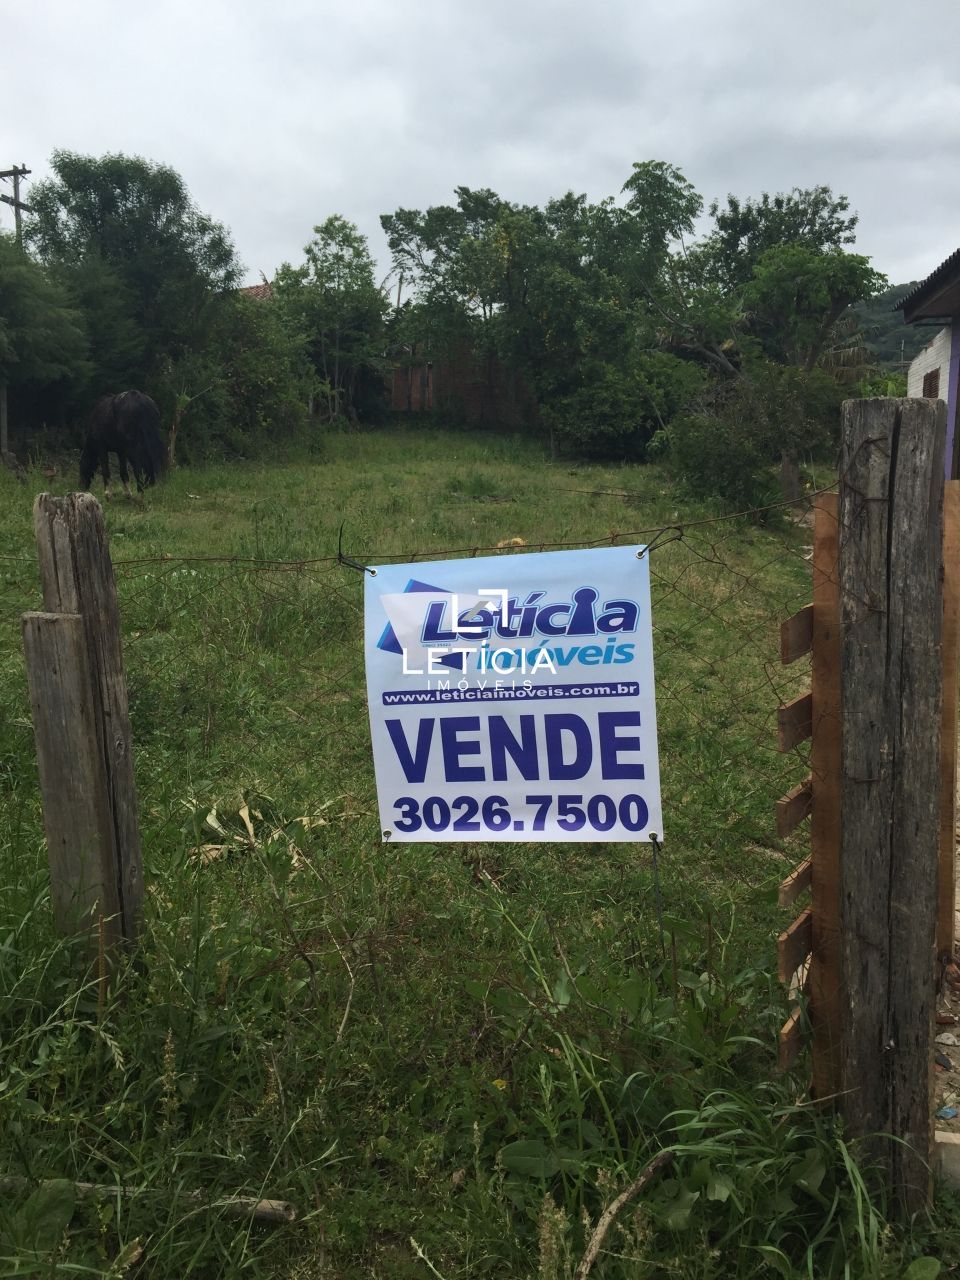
{"type": "Point", "coordinates": [345, 560]}
{"type": "Point", "coordinates": [660, 541]}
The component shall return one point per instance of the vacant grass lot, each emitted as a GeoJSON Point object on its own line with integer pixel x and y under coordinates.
{"type": "Point", "coordinates": [450, 1058]}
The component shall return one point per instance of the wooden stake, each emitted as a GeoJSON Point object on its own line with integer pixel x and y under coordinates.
{"type": "Point", "coordinates": [72, 779]}
{"type": "Point", "coordinates": [77, 578]}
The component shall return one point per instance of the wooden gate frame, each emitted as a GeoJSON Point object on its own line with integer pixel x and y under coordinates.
{"type": "Point", "coordinates": [868, 619]}
{"type": "Point", "coordinates": [810, 945]}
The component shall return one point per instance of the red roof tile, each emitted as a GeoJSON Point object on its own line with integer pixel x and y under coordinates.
{"type": "Point", "coordinates": [262, 292]}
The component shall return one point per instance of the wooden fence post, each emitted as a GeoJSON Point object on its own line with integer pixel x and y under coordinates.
{"type": "Point", "coordinates": [890, 569]}
{"type": "Point", "coordinates": [81, 720]}
{"type": "Point", "coordinates": [72, 780]}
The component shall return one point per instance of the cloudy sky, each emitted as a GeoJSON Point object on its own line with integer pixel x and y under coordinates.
{"type": "Point", "coordinates": [278, 114]}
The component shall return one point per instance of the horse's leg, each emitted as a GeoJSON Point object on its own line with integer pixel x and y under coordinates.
{"type": "Point", "coordinates": [125, 474]}
{"type": "Point", "coordinates": [105, 472]}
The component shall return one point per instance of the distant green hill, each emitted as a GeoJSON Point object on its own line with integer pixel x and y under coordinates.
{"type": "Point", "coordinates": [886, 335]}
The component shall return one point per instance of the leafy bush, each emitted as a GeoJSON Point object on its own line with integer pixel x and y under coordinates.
{"type": "Point", "coordinates": [724, 457]}
{"type": "Point", "coordinates": [883, 384]}
{"type": "Point", "coordinates": [727, 448]}
{"type": "Point", "coordinates": [616, 411]}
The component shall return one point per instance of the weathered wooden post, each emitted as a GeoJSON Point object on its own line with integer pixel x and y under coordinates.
{"type": "Point", "coordinates": [890, 575]}
{"type": "Point", "coordinates": [78, 696]}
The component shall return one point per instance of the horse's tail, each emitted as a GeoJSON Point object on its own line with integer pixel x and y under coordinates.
{"type": "Point", "coordinates": [88, 464]}
{"type": "Point", "coordinates": [154, 447]}
{"type": "Point", "coordinates": [141, 420]}
{"type": "Point", "coordinates": [99, 426]}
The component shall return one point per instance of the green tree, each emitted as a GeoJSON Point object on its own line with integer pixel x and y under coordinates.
{"type": "Point", "coordinates": [42, 341]}
{"type": "Point", "coordinates": [243, 393]}
{"type": "Point", "coordinates": [561, 294]}
{"type": "Point", "coordinates": [117, 343]}
{"type": "Point", "coordinates": [445, 254]}
{"type": "Point", "coordinates": [661, 208]}
{"type": "Point", "coordinates": [797, 294]}
{"type": "Point", "coordinates": [333, 306]}
{"type": "Point", "coordinates": [124, 224]}
{"type": "Point", "coordinates": [664, 272]}
{"type": "Point", "coordinates": [744, 230]}
{"type": "Point", "coordinates": [452, 261]}
{"type": "Point", "coordinates": [527, 285]}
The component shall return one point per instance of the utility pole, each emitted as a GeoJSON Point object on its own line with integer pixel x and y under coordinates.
{"type": "Point", "coordinates": [16, 173]}
{"type": "Point", "coordinates": [19, 208]}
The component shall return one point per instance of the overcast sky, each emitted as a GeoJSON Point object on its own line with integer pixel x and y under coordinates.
{"type": "Point", "coordinates": [279, 114]}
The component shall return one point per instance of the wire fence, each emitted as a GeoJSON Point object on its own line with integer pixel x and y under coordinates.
{"type": "Point", "coordinates": [246, 678]}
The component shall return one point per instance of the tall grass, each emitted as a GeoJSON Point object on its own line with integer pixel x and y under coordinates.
{"type": "Point", "coordinates": [451, 1059]}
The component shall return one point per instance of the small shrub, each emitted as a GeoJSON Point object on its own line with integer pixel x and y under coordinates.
{"type": "Point", "coordinates": [723, 457]}
{"type": "Point", "coordinates": [616, 411]}
{"type": "Point", "coordinates": [728, 447]}
{"type": "Point", "coordinates": [882, 383]}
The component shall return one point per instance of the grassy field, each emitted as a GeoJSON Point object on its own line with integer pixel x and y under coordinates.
{"type": "Point", "coordinates": [450, 1058]}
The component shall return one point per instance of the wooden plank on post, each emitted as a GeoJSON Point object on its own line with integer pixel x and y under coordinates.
{"type": "Point", "coordinates": [891, 600]}
{"type": "Point", "coordinates": [795, 721]}
{"type": "Point", "coordinates": [947, 892]}
{"type": "Point", "coordinates": [794, 807]}
{"type": "Point", "coordinates": [797, 882]}
{"type": "Point", "coordinates": [72, 783]}
{"type": "Point", "coordinates": [76, 574]}
{"type": "Point", "coordinates": [825, 1005]}
{"type": "Point", "coordinates": [796, 635]}
{"type": "Point", "coordinates": [790, 1040]}
{"type": "Point", "coordinates": [793, 945]}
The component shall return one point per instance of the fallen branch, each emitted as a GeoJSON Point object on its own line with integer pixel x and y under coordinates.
{"type": "Point", "coordinates": [609, 1214]}
{"type": "Point", "coordinates": [233, 1206]}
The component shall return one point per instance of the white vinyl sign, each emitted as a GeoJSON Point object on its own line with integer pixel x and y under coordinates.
{"type": "Point", "coordinates": [511, 698]}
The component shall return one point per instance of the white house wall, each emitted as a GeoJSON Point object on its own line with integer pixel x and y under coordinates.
{"type": "Point", "coordinates": [935, 355]}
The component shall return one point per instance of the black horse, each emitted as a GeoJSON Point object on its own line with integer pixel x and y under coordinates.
{"type": "Point", "coordinates": [128, 425]}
